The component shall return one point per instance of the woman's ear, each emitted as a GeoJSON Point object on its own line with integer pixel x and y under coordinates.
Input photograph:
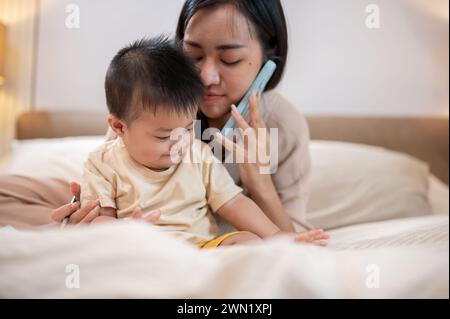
{"type": "Point", "coordinates": [117, 125]}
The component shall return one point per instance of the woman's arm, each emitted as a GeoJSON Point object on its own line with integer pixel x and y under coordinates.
{"type": "Point", "coordinates": [281, 195]}
{"type": "Point", "coordinates": [266, 197]}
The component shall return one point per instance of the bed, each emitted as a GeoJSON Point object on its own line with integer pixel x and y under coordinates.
{"type": "Point", "coordinates": [388, 221]}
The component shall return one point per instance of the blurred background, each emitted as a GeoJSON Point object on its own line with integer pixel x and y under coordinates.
{"type": "Point", "coordinates": [347, 57]}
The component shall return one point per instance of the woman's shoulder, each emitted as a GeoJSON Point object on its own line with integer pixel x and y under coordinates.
{"type": "Point", "coordinates": [278, 112]}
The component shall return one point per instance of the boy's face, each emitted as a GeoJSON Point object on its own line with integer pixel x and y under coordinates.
{"type": "Point", "coordinates": [148, 138]}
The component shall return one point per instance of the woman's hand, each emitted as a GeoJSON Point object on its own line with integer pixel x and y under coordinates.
{"type": "Point", "coordinates": [255, 170]}
{"type": "Point", "coordinates": [76, 214]}
{"type": "Point", "coordinates": [90, 211]}
{"type": "Point", "coordinates": [257, 139]}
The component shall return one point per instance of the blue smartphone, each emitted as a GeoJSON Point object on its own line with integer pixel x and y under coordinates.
{"type": "Point", "coordinates": [257, 87]}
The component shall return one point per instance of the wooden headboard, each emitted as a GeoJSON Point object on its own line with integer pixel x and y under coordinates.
{"type": "Point", "coordinates": [424, 138]}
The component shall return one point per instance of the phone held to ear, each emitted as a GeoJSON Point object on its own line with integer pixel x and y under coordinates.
{"type": "Point", "coordinates": [258, 86]}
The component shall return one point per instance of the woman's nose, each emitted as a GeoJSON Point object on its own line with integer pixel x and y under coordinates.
{"type": "Point", "coordinates": [209, 73]}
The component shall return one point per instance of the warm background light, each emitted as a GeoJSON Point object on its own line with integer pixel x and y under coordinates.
{"type": "Point", "coordinates": [16, 64]}
{"type": "Point", "coordinates": [2, 52]}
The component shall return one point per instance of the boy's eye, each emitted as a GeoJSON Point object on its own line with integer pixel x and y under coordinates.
{"type": "Point", "coordinates": [166, 138]}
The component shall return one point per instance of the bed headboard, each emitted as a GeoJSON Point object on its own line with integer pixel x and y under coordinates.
{"type": "Point", "coordinates": [424, 138]}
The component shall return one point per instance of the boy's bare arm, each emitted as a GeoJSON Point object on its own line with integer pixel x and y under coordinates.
{"type": "Point", "coordinates": [108, 211]}
{"type": "Point", "coordinates": [105, 214]}
{"type": "Point", "coordinates": [244, 214]}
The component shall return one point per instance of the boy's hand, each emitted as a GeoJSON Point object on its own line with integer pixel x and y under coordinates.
{"type": "Point", "coordinates": [315, 236]}
{"type": "Point", "coordinates": [151, 218]}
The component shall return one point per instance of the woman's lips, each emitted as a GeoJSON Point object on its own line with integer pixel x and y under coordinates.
{"type": "Point", "coordinates": [213, 97]}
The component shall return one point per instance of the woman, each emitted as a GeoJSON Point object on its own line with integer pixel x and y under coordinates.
{"type": "Point", "coordinates": [230, 41]}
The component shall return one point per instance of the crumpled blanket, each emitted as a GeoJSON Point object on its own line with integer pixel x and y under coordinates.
{"type": "Point", "coordinates": [127, 259]}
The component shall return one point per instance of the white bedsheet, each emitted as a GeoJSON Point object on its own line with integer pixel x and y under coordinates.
{"type": "Point", "coordinates": [407, 259]}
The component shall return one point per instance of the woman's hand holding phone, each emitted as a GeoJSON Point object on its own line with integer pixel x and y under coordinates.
{"type": "Point", "coordinates": [250, 169]}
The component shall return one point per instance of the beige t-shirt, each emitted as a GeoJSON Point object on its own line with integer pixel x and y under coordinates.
{"type": "Point", "coordinates": [186, 193]}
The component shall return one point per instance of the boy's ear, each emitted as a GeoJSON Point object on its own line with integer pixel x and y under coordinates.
{"type": "Point", "coordinates": [117, 125]}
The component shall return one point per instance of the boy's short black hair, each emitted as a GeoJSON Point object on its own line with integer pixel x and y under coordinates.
{"type": "Point", "coordinates": [152, 73]}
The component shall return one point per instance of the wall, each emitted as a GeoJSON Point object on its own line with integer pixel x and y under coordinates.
{"type": "Point", "coordinates": [17, 92]}
{"type": "Point", "coordinates": [337, 65]}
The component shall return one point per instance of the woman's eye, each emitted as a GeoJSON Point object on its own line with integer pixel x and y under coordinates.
{"type": "Point", "coordinates": [165, 138]}
{"type": "Point", "coordinates": [231, 63]}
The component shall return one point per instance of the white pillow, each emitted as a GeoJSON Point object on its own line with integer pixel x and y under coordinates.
{"type": "Point", "coordinates": [438, 196]}
{"type": "Point", "coordinates": [355, 183]}
{"type": "Point", "coordinates": [61, 158]}
{"type": "Point", "coordinates": [350, 183]}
